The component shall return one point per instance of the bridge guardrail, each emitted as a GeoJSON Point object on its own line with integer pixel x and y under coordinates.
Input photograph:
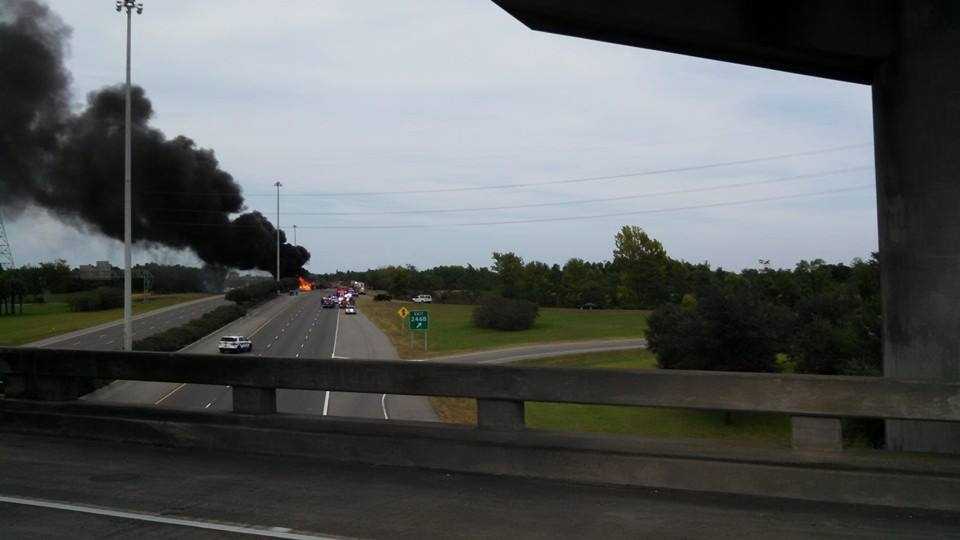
{"type": "Point", "coordinates": [816, 403]}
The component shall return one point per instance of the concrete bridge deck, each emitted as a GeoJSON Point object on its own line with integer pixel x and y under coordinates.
{"type": "Point", "coordinates": [117, 490]}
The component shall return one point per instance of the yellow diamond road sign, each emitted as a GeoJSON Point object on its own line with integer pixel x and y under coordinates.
{"type": "Point", "coordinates": [403, 312]}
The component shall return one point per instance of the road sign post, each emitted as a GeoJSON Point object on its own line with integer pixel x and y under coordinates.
{"type": "Point", "coordinates": [402, 313]}
{"type": "Point", "coordinates": [420, 321]}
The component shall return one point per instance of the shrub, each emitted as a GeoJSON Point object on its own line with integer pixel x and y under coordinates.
{"type": "Point", "coordinates": [456, 297]}
{"type": "Point", "coordinates": [252, 294]}
{"type": "Point", "coordinates": [733, 329]}
{"type": "Point", "coordinates": [382, 297]}
{"type": "Point", "coordinates": [179, 337]}
{"type": "Point", "coordinates": [499, 313]}
{"type": "Point", "coordinates": [98, 299]}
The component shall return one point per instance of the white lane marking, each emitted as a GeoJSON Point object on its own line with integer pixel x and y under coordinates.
{"type": "Point", "coordinates": [108, 342]}
{"type": "Point", "coordinates": [207, 406]}
{"type": "Point", "coordinates": [170, 393]}
{"type": "Point", "coordinates": [383, 405]}
{"type": "Point", "coordinates": [271, 532]}
{"type": "Point", "coordinates": [336, 333]}
{"type": "Point", "coordinates": [333, 354]}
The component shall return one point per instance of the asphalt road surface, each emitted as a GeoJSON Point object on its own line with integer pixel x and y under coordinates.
{"type": "Point", "coordinates": [109, 337]}
{"type": "Point", "coordinates": [67, 488]}
{"type": "Point", "coordinates": [289, 326]}
{"type": "Point", "coordinates": [545, 350]}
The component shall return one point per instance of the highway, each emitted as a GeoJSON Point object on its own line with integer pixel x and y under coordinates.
{"type": "Point", "coordinates": [289, 326]}
{"type": "Point", "coordinates": [109, 336]}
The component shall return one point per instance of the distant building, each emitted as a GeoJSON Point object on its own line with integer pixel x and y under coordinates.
{"type": "Point", "coordinates": [102, 271]}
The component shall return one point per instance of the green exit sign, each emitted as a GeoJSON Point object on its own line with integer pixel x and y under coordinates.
{"type": "Point", "coordinates": [419, 320]}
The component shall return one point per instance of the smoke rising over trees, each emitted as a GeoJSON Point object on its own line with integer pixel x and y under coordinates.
{"type": "Point", "coordinates": [72, 164]}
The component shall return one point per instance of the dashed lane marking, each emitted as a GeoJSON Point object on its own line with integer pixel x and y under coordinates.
{"type": "Point", "coordinates": [170, 393]}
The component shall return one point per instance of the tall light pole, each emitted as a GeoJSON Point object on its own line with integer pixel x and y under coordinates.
{"type": "Point", "coordinates": [278, 184]}
{"type": "Point", "coordinates": [295, 236]}
{"type": "Point", "coordinates": [129, 5]}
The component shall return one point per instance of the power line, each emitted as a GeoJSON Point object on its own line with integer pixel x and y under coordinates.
{"type": "Point", "coordinates": [566, 203]}
{"type": "Point", "coordinates": [821, 174]}
{"type": "Point", "coordinates": [650, 172]}
{"type": "Point", "coordinates": [554, 219]}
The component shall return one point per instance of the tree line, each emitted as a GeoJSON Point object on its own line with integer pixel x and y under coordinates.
{"type": "Point", "coordinates": [58, 277]}
{"type": "Point", "coordinates": [814, 318]}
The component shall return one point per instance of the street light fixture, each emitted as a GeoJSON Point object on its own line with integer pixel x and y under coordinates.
{"type": "Point", "coordinates": [130, 6]}
{"type": "Point", "coordinates": [278, 184]}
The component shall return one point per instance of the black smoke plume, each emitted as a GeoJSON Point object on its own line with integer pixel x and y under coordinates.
{"type": "Point", "coordinates": [72, 164]}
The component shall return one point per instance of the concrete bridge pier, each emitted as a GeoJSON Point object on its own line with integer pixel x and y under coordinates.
{"type": "Point", "coordinates": [916, 103]}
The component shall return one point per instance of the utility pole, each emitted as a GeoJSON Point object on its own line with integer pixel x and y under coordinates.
{"type": "Point", "coordinates": [129, 5]}
{"type": "Point", "coordinates": [279, 185]}
{"type": "Point", "coordinates": [6, 252]}
{"type": "Point", "coordinates": [295, 236]}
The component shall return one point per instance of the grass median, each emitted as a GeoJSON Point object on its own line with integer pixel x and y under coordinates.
{"type": "Point", "coordinates": [452, 330]}
{"type": "Point", "coordinates": [41, 321]}
{"type": "Point", "coordinates": [757, 429]}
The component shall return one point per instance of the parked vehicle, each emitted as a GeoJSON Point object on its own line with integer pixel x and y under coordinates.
{"type": "Point", "coordinates": [351, 310]}
{"type": "Point", "coordinates": [235, 344]}
{"type": "Point", "coordinates": [423, 299]}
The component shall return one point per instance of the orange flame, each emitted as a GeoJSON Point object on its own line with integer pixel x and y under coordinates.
{"type": "Point", "coordinates": [305, 285]}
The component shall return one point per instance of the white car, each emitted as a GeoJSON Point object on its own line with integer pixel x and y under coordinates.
{"type": "Point", "coordinates": [236, 344]}
{"type": "Point", "coordinates": [351, 310]}
{"type": "Point", "coordinates": [423, 299]}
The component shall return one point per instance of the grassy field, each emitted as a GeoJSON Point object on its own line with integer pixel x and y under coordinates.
{"type": "Point", "coordinates": [742, 428]}
{"type": "Point", "coordinates": [40, 321]}
{"type": "Point", "coordinates": [452, 330]}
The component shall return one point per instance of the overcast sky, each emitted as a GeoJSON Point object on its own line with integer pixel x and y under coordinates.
{"type": "Point", "coordinates": [332, 97]}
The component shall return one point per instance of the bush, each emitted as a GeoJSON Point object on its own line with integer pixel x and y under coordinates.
{"type": "Point", "coordinates": [177, 338]}
{"type": "Point", "coordinates": [382, 297]}
{"type": "Point", "coordinates": [456, 297]}
{"type": "Point", "coordinates": [98, 299]}
{"type": "Point", "coordinates": [253, 294]}
{"type": "Point", "coordinates": [499, 313]}
{"type": "Point", "coordinates": [733, 329]}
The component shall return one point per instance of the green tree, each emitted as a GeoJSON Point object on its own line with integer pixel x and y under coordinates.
{"type": "Point", "coordinates": [641, 263]}
{"type": "Point", "coordinates": [733, 328]}
{"type": "Point", "coordinates": [509, 269]}
{"type": "Point", "coordinates": [536, 285]}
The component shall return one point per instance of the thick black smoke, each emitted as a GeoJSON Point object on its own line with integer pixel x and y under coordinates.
{"type": "Point", "coordinates": [72, 164]}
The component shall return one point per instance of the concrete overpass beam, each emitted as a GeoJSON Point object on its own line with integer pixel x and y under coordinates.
{"type": "Point", "coordinates": [249, 400]}
{"type": "Point", "coordinates": [837, 39]}
{"type": "Point", "coordinates": [501, 414]}
{"type": "Point", "coordinates": [916, 101]}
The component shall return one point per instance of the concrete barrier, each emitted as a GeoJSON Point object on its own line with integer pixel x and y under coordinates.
{"type": "Point", "coordinates": [42, 386]}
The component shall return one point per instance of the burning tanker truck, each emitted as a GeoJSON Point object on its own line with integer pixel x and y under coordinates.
{"type": "Point", "coordinates": [69, 163]}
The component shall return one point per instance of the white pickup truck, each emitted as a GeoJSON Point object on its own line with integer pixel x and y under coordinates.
{"type": "Point", "coordinates": [423, 299]}
{"type": "Point", "coordinates": [236, 344]}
